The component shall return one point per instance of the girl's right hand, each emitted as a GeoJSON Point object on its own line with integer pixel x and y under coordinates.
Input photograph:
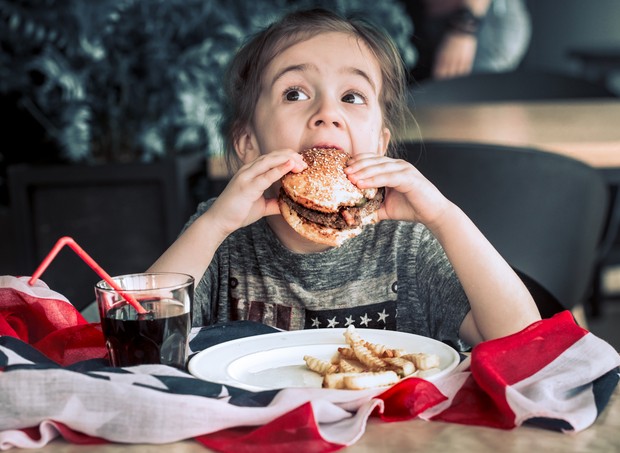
{"type": "Point", "coordinates": [243, 201]}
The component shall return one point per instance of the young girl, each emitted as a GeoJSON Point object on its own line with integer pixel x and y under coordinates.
{"type": "Point", "coordinates": [314, 79]}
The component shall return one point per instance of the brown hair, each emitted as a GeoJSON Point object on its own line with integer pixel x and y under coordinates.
{"type": "Point", "coordinates": [243, 81]}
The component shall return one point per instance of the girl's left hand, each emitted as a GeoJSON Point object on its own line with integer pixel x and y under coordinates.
{"type": "Point", "coordinates": [408, 194]}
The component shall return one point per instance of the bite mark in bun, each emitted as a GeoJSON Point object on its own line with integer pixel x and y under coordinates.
{"type": "Point", "coordinates": [321, 204]}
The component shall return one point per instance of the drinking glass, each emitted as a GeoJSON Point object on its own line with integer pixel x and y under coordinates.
{"type": "Point", "coordinates": [160, 334]}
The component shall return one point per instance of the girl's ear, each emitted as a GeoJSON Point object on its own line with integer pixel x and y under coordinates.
{"type": "Point", "coordinates": [246, 147]}
{"type": "Point", "coordinates": [384, 140]}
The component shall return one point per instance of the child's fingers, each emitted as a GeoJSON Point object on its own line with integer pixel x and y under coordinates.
{"type": "Point", "coordinates": [266, 179]}
{"type": "Point", "coordinates": [382, 173]}
{"type": "Point", "coordinates": [360, 161]}
{"type": "Point", "coordinates": [364, 166]}
{"type": "Point", "coordinates": [269, 168]}
{"type": "Point", "coordinates": [244, 201]}
{"type": "Point", "coordinates": [266, 162]}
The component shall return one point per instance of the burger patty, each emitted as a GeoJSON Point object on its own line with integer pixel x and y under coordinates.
{"type": "Point", "coordinates": [346, 217]}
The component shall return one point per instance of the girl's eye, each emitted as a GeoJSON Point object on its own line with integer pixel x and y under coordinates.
{"type": "Point", "coordinates": [354, 98]}
{"type": "Point", "coordinates": [295, 94]}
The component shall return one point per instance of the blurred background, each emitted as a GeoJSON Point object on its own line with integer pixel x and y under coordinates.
{"type": "Point", "coordinates": [110, 113]}
{"type": "Point", "coordinates": [561, 29]}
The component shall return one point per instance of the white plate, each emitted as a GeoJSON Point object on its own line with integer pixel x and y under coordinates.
{"type": "Point", "coordinates": [274, 361]}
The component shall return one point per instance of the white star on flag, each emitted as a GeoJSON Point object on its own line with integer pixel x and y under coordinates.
{"type": "Point", "coordinates": [74, 405]}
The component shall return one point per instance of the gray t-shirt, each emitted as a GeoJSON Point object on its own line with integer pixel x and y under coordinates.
{"type": "Point", "coordinates": [394, 276]}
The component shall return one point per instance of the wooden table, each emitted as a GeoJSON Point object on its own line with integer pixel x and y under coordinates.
{"type": "Point", "coordinates": [432, 437]}
{"type": "Point", "coordinates": [588, 130]}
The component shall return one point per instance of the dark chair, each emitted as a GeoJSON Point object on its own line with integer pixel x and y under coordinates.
{"type": "Point", "coordinates": [545, 213]}
{"type": "Point", "coordinates": [610, 247]}
{"type": "Point", "coordinates": [123, 215]}
{"type": "Point", "coordinates": [518, 85]}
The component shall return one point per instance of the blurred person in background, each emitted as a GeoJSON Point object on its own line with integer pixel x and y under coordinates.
{"type": "Point", "coordinates": [458, 37]}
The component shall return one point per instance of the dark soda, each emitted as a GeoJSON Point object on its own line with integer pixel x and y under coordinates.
{"type": "Point", "coordinates": [159, 336]}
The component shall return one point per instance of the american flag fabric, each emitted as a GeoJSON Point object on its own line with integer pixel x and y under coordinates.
{"type": "Point", "coordinates": [55, 381]}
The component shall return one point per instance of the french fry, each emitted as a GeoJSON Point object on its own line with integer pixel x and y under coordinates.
{"type": "Point", "coordinates": [383, 351]}
{"type": "Point", "coordinates": [379, 350]}
{"type": "Point", "coordinates": [403, 367]}
{"type": "Point", "coordinates": [423, 361]}
{"type": "Point", "coordinates": [363, 381]}
{"type": "Point", "coordinates": [347, 353]}
{"type": "Point", "coordinates": [351, 366]}
{"type": "Point", "coordinates": [320, 366]}
{"type": "Point", "coordinates": [365, 356]}
{"type": "Point", "coordinates": [336, 380]}
{"type": "Point", "coordinates": [351, 336]}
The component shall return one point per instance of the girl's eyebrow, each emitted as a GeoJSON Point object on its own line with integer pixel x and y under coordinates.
{"type": "Point", "coordinates": [363, 74]}
{"type": "Point", "coordinates": [292, 68]}
{"type": "Point", "coordinates": [308, 66]}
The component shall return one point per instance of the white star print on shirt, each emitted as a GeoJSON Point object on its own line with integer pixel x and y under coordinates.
{"type": "Point", "coordinates": [316, 322]}
{"type": "Point", "coordinates": [349, 321]}
{"type": "Point", "coordinates": [364, 320]}
{"type": "Point", "coordinates": [382, 316]}
{"type": "Point", "coordinates": [332, 322]}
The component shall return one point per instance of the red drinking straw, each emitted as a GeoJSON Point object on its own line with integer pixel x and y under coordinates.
{"type": "Point", "coordinates": [66, 240]}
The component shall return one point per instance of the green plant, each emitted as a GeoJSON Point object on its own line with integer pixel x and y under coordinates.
{"type": "Point", "coordinates": [136, 80]}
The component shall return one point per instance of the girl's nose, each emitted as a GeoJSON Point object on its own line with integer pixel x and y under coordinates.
{"type": "Point", "coordinates": [327, 114]}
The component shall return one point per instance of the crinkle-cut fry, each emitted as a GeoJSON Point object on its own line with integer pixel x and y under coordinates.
{"type": "Point", "coordinates": [396, 352]}
{"type": "Point", "coordinates": [347, 353]}
{"type": "Point", "coordinates": [336, 380]}
{"type": "Point", "coordinates": [423, 361]}
{"type": "Point", "coordinates": [364, 355]}
{"type": "Point", "coordinates": [401, 366]}
{"type": "Point", "coordinates": [351, 335]}
{"type": "Point", "coordinates": [351, 366]}
{"type": "Point", "coordinates": [317, 365]}
{"type": "Point", "coordinates": [369, 380]}
{"type": "Point", "coordinates": [377, 349]}
{"type": "Point", "coordinates": [383, 351]}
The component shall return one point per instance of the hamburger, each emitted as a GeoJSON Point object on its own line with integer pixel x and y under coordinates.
{"type": "Point", "coordinates": [321, 204]}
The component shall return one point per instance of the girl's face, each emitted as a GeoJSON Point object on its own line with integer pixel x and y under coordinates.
{"type": "Point", "coordinates": [323, 92]}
